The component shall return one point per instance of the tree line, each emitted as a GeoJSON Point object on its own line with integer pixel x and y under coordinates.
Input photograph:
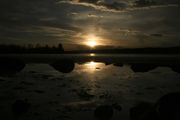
{"type": "Point", "coordinates": [38, 48]}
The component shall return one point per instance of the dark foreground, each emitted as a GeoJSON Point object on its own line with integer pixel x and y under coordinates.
{"type": "Point", "coordinates": [89, 87]}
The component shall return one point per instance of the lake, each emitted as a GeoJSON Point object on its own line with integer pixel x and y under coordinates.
{"type": "Point", "coordinates": [91, 80]}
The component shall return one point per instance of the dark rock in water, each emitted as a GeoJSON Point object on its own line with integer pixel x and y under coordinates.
{"type": "Point", "coordinates": [9, 66]}
{"type": "Point", "coordinates": [140, 67]}
{"type": "Point", "coordinates": [168, 106]}
{"type": "Point", "coordinates": [97, 68]}
{"type": "Point", "coordinates": [175, 68]}
{"type": "Point", "coordinates": [84, 95]}
{"type": "Point", "coordinates": [104, 112]}
{"type": "Point", "coordinates": [19, 88]}
{"type": "Point", "coordinates": [118, 64]}
{"type": "Point", "coordinates": [64, 65]}
{"type": "Point", "coordinates": [117, 106]}
{"type": "Point", "coordinates": [1, 80]}
{"type": "Point", "coordinates": [39, 91]}
{"type": "Point", "coordinates": [26, 83]}
{"type": "Point", "coordinates": [20, 107]}
{"type": "Point", "coordinates": [143, 111]}
{"type": "Point", "coordinates": [107, 63]}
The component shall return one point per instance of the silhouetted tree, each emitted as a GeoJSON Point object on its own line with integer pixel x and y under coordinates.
{"type": "Point", "coordinates": [31, 49]}
{"type": "Point", "coordinates": [60, 47]}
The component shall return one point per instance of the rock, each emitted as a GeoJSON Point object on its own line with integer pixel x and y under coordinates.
{"type": "Point", "coordinates": [175, 67]}
{"type": "Point", "coordinates": [104, 112]}
{"type": "Point", "coordinates": [118, 64]}
{"type": "Point", "coordinates": [168, 106]}
{"type": "Point", "coordinates": [10, 66]}
{"type": "Point", "coordinates": [117, 106]}
{"type": "Point", "coordinates": [143, 111]}
{"type": "Point", "coordinates": [39, 91]}
{"type": "Point", "coordinates": [142, 67]}
{"type": "Point", "coordinates": [64, 65]}
{"type": "Point", "coordinates": [1, 80]}
{"type": "Point", "coordinates": [20, 107]}
{"type": "Point", "coordinates": [84, 95]}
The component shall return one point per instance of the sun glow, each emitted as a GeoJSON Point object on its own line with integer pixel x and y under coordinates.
{"type": "Point", "coordinates": [91, 41]}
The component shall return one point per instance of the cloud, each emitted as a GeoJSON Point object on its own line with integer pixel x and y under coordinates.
{"type": "Point", "coordinates": [101, 4]}
{"type": "Point", "coordinates": [121, 5]}
{"type": "Point", "coordinates": [18, 18]}
{"type": "Point", "coordinates": [144, 3]}
{"type": "Point", "coordinates": [157, 35]}
{"type": "Point", "coordinates": [89, 1]}
{"type": "Point", "coordinates": [116, 22]}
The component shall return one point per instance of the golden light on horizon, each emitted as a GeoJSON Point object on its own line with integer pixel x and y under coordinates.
{"type": "Point", "coordinates": [91, 41]}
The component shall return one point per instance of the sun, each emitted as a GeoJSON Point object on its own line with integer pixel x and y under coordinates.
{"type": "Point", "coordinates": [92, 43]}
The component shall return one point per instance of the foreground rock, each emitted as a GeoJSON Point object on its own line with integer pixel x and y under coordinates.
{"type": "Point", "coordinates": [166, 108]}
{"type": "Point", "coordinates": [64, 65]}
{"type": "Point", "coordinates": [20, 107]}
{"type": "Point", "coordinates": [9, 66]}
{"type": "Point", "coordinates": [104, 112]}
{"type": "Point", "coordinates": [143, 111]}
{"type": "Point", "coordinates": [140, 67]}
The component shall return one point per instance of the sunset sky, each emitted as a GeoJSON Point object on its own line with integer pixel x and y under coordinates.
{"type": "Point", "coordinates": [124, 23]}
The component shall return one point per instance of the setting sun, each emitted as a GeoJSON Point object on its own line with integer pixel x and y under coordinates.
{"type": "Point", "coordinates": [91, 43]}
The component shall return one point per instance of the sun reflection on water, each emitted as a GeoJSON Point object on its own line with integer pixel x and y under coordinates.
{"type": "Point", "coordinates": [92, 66]}
{"type": "Point", "coordinates": [92, 54]}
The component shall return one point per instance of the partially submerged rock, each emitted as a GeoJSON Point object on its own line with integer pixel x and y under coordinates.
{"type": "Point", "coordinates": [20, 107]}
{"type": "Point", "coordinates": [168, 106]}
{"type": "Point", "coordinates": [9, 66]}
{"type": "Point", "coordinates": [104, 112]}
{"type": "Point", "coordinates": [143, 111]}
{"type": "Point", "coordinates": [140, 67]}
{"type": "Point", "coordinates": [175, 67]}
{"type": "Point", "coordinates": [64, 65]}
{"type": "Point", "coordinates": [83, 94]}
{"type": "Point", "coordinates": [117, 106]}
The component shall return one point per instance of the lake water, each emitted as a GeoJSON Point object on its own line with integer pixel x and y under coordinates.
{"type": "Point", "coordinates": [96, 79]}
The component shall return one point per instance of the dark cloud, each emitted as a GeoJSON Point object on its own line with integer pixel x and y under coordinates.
{"type": "Point", "coordinates": [36, 21]}
{"type": "Point", "coordinates": [115, 5]}
{"type": "Point", "coordinates": [144, 3]}
{"type": "Point", "coordinates": [89, 1]}
{"type": "Point", "coordinates": [121, 5]}
{"type": "Point", "coordinates": [147, 3]}
{"type": "Point", "coordinates": [157, 35]}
